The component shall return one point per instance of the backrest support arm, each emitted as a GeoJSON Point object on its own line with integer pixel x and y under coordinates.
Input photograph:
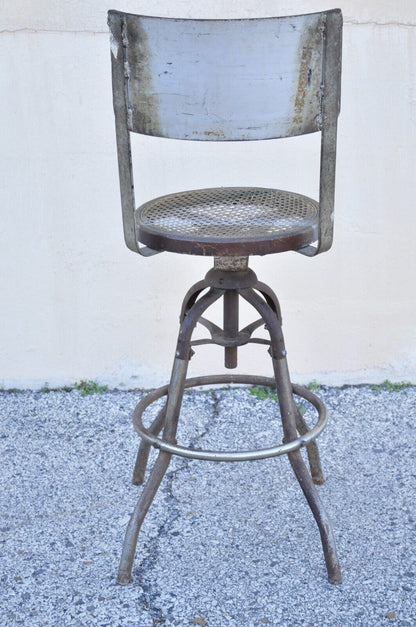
{"type": "Point", "coordinates": [125, 168]}
{"type": "Point", "coordinates": [122, 132]}
{"type": "Point", "coordinates": [331, 97]}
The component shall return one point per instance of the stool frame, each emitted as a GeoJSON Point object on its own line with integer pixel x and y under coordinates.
{"type": "Point", "coordinates": [249, 79]}
{"type": "Point", "coordinates": [230, 284]}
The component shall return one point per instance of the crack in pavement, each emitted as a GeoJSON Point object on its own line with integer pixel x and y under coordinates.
{"type": "Point", "coordinates": [148, 597]}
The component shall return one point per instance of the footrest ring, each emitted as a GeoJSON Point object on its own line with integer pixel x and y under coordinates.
{"type": "Point", "coordinates": [230, 456]}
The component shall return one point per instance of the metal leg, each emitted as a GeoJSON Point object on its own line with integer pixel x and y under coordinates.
{"type": "Point", "coordinates": [312, 450]}
{"type": "Point", "coordinates": [191, 297]}
{"type": "Point", "coordinates": [270, 297]}
{"type": "Point", "coordinates": [288, 412]}
{"type": "Point", "coordinates": [302, 427]}
{"type": "Point", "coordinates": [195, 304]}
{"type": "Point", "coordinates": [173, 405]}
{"type": "Point", "coordinates": [139, 513]}
{"type": "Point", "coordinates": [158, 424]}
{"type": "Point", "coordinates": [325, 529]}
{"type": "Point", "coordinates": [144, 448]}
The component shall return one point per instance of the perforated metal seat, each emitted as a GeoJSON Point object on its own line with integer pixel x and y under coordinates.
{"type": "Point", "coordinates": [228, 221]}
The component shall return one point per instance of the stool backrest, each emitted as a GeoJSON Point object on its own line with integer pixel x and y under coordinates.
{"type": "Point", "coordinates": [245, 79]}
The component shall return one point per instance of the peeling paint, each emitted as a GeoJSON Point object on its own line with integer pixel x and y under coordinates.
{"type": "Point", "coordinates": [142, 98]}
{"type": "Point", "coordinates": [215, 133]}
{"type": "Point", "coordinates": [255, 79]}
{"type": "Point", "coordinates": [251, 89]}
{"type": "Point", "coordinates": [307, 99]}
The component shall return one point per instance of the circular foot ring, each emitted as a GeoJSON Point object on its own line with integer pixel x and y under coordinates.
{"type": "Point", "coordinates": [230, 456]}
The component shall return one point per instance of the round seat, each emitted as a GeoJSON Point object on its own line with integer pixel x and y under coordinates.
{"type": "Point", "coordinates": [227, 221]}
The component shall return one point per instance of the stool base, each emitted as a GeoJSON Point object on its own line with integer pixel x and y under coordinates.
{"type": "Point", "coordinates": [231, 285]}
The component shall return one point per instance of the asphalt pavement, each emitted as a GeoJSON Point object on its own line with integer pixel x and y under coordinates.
{"type": "Point", "coordinates": [223, 545]}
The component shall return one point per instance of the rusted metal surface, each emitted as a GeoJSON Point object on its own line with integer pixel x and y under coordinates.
{"type": "Point", "coordinates": [230, 316]}
{"type": "Point", "coordinates": [173, 405]}
{"type": "Point", "coordinates": [196, 303]}
{"type": "Point", "coordinates": [125, 169]}
{"type": "Point", "coordinates": [237, 221]}
{"type": "Point", "coordinates": [231, 263]}
{"type": "Point", "coordinates": [230, 456]}
{"type": "Point", "coordinates": [288, 412]}
{"type": "Point", "coordinates": [191, 296]}
{"type": "Point", "coordinates": [331, 99]}
{"type": "Point", "coordinates": [122, 133]}
{"type": "Point", "coordinates": [183, 347]}
{"type": "Point", "coordinates": [271, 298]}
{"type": "Point", "coordinates": [144, 448]}
{"type": "Point", "coordinates": [236, 279]}
{"type": "Point", "coordinates": [226, 80]}
{"type": "Point", "coordinates": [223, 79]}
{"type": "Point", "coordinates": [313, 451]}
{"type": "Point", "coordinates": [309, 61]}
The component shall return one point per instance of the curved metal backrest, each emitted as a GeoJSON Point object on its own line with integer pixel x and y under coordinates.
{"type": "Point", "coordinates": [225, 80]}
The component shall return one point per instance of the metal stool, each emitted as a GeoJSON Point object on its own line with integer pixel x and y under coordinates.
{"type": "Point", "coordinates": [195, 79]}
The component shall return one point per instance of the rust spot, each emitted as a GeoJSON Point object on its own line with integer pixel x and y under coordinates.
{"type": "Point", "coordinates": [215, 134]}
{"type": "Point", "coordinates": [307, 98]}
{"type": "Point", "coordinates": [142, 101]}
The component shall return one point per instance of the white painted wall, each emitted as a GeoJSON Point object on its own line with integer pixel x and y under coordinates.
{"type": "Point", "coordinates": [77, 304]}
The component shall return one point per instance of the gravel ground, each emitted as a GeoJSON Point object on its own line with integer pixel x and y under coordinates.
{"type": "Point", "coordinates": [223, 544]}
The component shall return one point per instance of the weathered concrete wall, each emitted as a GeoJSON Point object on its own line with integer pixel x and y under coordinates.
{"type": "Point", "coordinates": [77, 304]}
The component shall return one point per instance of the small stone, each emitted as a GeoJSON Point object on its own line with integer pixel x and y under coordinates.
{"type": "Point", "coordinates": [390, 615]}
{"type": "Point", "coordinates": [124, 521]}
{"type": "Point", "coordinates": [38, 572]}
{"type": "Point", "coordinates": [199, 620]}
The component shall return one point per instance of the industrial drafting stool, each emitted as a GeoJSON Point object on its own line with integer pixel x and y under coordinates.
{"type": "Point", "coordinates": [226, 80]}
